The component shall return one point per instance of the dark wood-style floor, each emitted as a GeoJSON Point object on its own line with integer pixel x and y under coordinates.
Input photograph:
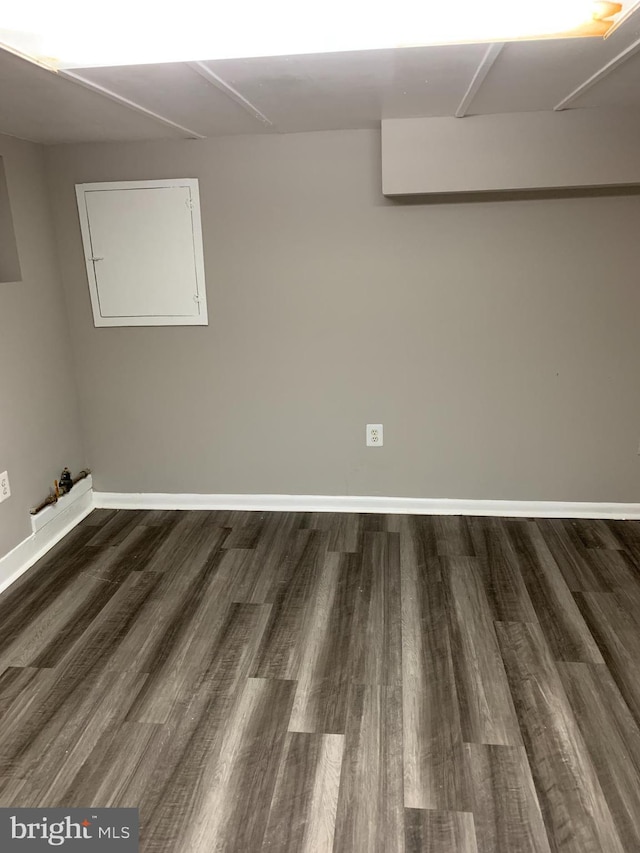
{"type": "Point", "coordinates": [317, 682]}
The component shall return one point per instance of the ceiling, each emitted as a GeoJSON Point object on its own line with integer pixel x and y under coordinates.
{"type": "Point", "coordinates": [316, 92]}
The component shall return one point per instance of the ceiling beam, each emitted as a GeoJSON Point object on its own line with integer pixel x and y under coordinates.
{"type": "Point", "coordinates": [211, 77]}
{"type": "Point", "coordinates": [126, 102]}
{"type": "Point", "coordinates": [622, 19]}
{"type": "Point", "coordinates": [486, 63]}
{"type": "Point", "coordinates": [603, 72]}
{"type": "Point", "coordinates": [34, 60]}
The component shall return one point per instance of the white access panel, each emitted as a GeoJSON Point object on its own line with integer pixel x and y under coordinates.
{"type": "Point", "coordinates": [143, 248]}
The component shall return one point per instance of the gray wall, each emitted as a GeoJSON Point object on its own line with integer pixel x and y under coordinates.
{"type": "Point", "coordinates": [497, 342]}
{"type": "Point", "coordinates": [39, 426]}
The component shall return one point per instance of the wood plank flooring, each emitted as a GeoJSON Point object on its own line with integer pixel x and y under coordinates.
{"type": "Point", "coordinates": [323, 683]}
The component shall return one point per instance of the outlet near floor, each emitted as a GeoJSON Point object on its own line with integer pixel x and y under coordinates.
{"type": "Point", "coordinates": [374, 435]}
{"type": "Point", "coordinates": [5, 488]}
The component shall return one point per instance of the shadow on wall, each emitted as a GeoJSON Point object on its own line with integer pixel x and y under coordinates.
{"type": "Point", "coordinates": [9, 261]}
{"type": "Point", "coordinates": [515, 195]}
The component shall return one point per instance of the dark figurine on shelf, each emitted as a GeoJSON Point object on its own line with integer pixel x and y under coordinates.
{"type": "Point", "coordinates": [61, 487]}
{"type": "Point", "coordinates": [65, 483]}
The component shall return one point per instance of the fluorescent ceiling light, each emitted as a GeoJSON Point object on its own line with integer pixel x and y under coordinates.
{"type": "Point", "coordinates": [77, 34]}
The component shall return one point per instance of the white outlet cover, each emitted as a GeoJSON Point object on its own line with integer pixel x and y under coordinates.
{"type": "Point", "coordinates": [374, 435]}
{"type": "Point", "coordinates": [5, 488]}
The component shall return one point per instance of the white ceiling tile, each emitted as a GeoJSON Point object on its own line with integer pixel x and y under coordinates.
{"type": "Point", "coordinates": [39, 105]}
{"type": "Point", "coordinates": [430, 81]}
{"type": "Point", "coordinates": [621, 88]}
{"type": "Point", "coordinates": [313, 92]}
{"type": "Point", "coordinates": [177, 92]}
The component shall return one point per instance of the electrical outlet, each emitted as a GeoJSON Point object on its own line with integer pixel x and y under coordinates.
{"type": "Point", "coordinates": [5, 488]}
{"type": "Point", "coordinates": [374, 435]}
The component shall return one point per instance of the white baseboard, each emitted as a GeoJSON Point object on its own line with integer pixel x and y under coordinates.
{"type": "Point", "coordinates": [55, 522]}
{"type": "Point", "coordinates": [49, 527]}
{"type": "Point", "coordinates": [355, 503]}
